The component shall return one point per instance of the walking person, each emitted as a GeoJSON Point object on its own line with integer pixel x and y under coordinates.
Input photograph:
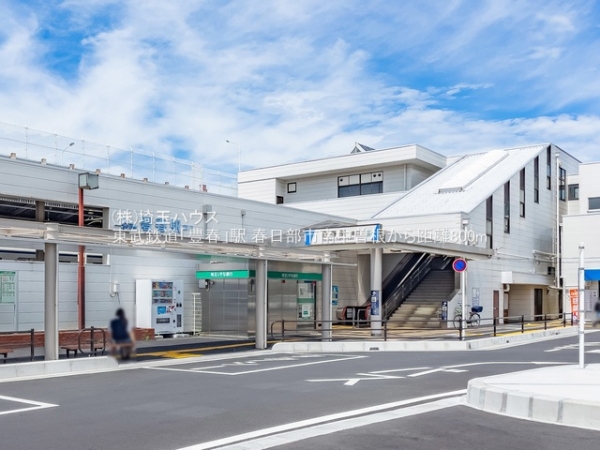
{"type": "Point", "coordinates": [121, 339]}
{"type": "Point", "coordinates": [597, 310]}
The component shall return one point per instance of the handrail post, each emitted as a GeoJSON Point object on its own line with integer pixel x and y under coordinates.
{"type": "Point", "coordinates": [282, 330]}
{"type": "Point", "coordinates": [460, 331]}
{"type": "Point", "coordinates": [385, 330]}
{"type": "Point", "coordinates": [571, 319]}
{"type": "Point", "coordinates": [79, 341]}
{"type": "Point", "coordinates": [92, 341]}
{"type": "Point", "coordinates": [545, 321]}
{"type": "Point", "coordinates": [32, 343]}
{"type": "Point", "coordinates": [564, 319]}
{"type": "Point", "coordinates": [522, 324]}
{"type": "Point", "coordinates": [104, 339]}
{"type": "Point", "coordinates": [495, 325]}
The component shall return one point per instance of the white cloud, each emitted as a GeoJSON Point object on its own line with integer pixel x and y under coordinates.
{"type": "Point", "coordinates": [296, 80]}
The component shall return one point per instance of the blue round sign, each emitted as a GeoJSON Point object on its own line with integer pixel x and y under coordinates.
{"type": "Point", "coordinates": [459, 265]}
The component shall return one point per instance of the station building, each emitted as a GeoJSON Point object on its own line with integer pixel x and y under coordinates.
{"type": "Point", "coordinates": [388, 221]}
{"type": "Point", "coordinates": [579, 229]}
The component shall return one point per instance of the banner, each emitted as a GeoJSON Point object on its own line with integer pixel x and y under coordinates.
{"type": "Point", "coordinates": [574, 296]}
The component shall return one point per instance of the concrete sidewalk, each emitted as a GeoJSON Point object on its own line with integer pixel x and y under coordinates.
{"type": "Point", "coordinates": [564, 395]}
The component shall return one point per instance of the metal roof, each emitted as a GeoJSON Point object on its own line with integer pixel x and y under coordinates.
{"type": "Point", "coordinates": [464, 185]}
{"type": "Point", "coordinates": [21, 230]}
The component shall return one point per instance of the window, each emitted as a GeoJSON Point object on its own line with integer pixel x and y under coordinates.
{"type": "Point", "coordinates": [291, 188]}
{"type": "Point", "coordinates": [507, 207]}
{"type": "Point", "coordinates": [489, 221]}
{"type": "Point", "coordinates": [280, 199]}
{"type": "Point", "coordinates": [363, 184]}
{"type": "Point", "coordinates": [536, 179]}
{"type": "Point", "coordinates": [562, 184]}
{"type": "Point", "coordinates": [548, 168]}
{"type": "Point", "coordinates": [593, 203]}
{"type": "Point", "coordinates": [573, 192]}
{"type": "Point", "coordinates": [522, 193]}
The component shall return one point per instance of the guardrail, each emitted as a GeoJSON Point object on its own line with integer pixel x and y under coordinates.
{"type": "Point", "coordinates": [417, 327]}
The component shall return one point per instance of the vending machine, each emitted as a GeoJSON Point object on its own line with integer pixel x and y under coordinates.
{"type": "Point", "coordinates": [159, 305]}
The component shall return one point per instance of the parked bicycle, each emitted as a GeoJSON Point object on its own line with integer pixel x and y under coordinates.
{"type": "Point", "coordinates": [473, 320]}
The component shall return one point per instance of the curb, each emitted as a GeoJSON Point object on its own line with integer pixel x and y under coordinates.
{"type": "Point", "coordinates": [20, 371]}
{"type": "Point", "coordinates": [540, 408]}
{"type": "Point", "coordinates": [408, 346]}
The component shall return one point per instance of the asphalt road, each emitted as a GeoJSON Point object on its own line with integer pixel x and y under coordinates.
{"type": "Point", "coordinates": [348, 401]}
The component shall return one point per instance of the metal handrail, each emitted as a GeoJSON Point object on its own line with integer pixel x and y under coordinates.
{"type": "Point", "coordinates": [412, 278]}
{"type": "Point", "coordinates": [492, 329]}
{"type": "Point", "coordinates": [92, 340]}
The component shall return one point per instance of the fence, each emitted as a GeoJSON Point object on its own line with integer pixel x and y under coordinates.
{"type": "Point", "coordinates": [415, 328]}
{"type": "Point", "coordinates": [60, 150]}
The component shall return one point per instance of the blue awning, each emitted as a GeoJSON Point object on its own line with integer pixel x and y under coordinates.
{"type": "Point", "coordinates": [591, 274]}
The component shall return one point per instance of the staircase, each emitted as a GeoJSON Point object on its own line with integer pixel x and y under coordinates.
{"type": "Point", "coordinates": [420, 309]}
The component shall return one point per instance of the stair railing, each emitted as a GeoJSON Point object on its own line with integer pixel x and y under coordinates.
{"type": "Point", "coordinates": [412, 279]}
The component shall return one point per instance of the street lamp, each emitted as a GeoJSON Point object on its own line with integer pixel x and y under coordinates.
{"type": "Point", "coordinates": [86, 181]}
{"type": "Point", "coordinates": [239, 153]}
{"type": "Point", "coordinates": [63, 152]}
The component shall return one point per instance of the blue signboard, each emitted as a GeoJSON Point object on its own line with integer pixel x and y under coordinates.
{"type": "Point", "coordinates": [591, 274]}
{"type": "Point", "coordinates": [374, 303]}
{"type": "Point", "coordinates": [335, 292]}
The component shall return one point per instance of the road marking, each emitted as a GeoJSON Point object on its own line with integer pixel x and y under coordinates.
{"type": "Point", "coordinates": [329, 428]}
{"type": "Point", "coordinates": [246, 372]}
{"type": "Point", "coordinates": [188, 351]}
{"type": "Point", "coordinates": [370, 376]}
{"type": "Point", "coordinates": [36, 405]}
{"type": "Point", "coordinates": [458, 367]}
{"type": "Point", "coordinates": [572, 347]}
{"type": "Point", "coordinates": [280, 436]}
{"type": "Point", "coordinates": [401, 370]}
{"type": "Point", "coordinates": [378, 375]}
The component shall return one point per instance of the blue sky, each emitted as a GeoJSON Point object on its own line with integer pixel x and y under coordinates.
{"type": "Point", "coordinates": [290, 80]}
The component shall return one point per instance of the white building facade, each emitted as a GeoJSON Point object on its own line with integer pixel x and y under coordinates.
{"type": "Point", "coordinates": [506, 201]}
{"type": "Point", "coordinates": [579, 229]}
{"type": "Point", "coordinates": [498, 209]}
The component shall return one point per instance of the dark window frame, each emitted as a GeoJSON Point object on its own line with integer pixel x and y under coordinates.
{"type": "Point", "coordinates": [489, 221]}
{"type": "Point", "coordinates": [562, 184]}
{"type": "Point", "coordinates": [507, 207]}
{"type": "Point", "coordinates": [292, 188]}
{"type": "Point", "coordinates": [596, 203]}
{"type": "Point", "coordinates": [573, 191]}
{"type": "Point", "coordinates": [358, 189]}
{"type": "Point", "coordinates": [536, 179]}
{"type": "Point", "coordinates": [548, 168]}
{"type": "Point", "coordinates": [522, 192]}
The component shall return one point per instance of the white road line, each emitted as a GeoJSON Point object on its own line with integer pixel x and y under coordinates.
{"type": "Point", "coordinates": [303, 424]}
{"type": "Point", "coordinates": [36, 405]}
{"type": "Point", "coordinates": [401, 370]}
{"type": "Point", "coordinates": [246, 372]}
{"type": "Point", "coordinates": [457, 366]}
{"type": "Point", "coordinates": [426, 372]}
{"type": "Point", "coordinates": [329, 428]}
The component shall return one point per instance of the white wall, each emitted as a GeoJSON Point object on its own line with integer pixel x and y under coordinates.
{"type": "Point", "coordinates": [589, 184]}
{"type": "Point", "coordinates": [345, 278]}
{"type": "Point", "coordinates": [261, 190]}
{"type": "Point", "coordinates": [125, 268]}
{"type": "Point", "coordinates": [577, 230]}
{"type": "Point", "coordinates": [417, 175]}
{"type": "Point", "coordinates": [324, 186]}
{"type": "Point", "coordinates": [32, 180]}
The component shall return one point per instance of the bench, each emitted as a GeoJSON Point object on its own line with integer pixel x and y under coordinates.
{"type": "Point", "coordinates": [98, 346]}
{"type": "Point", "coordinates": [5, 351]}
